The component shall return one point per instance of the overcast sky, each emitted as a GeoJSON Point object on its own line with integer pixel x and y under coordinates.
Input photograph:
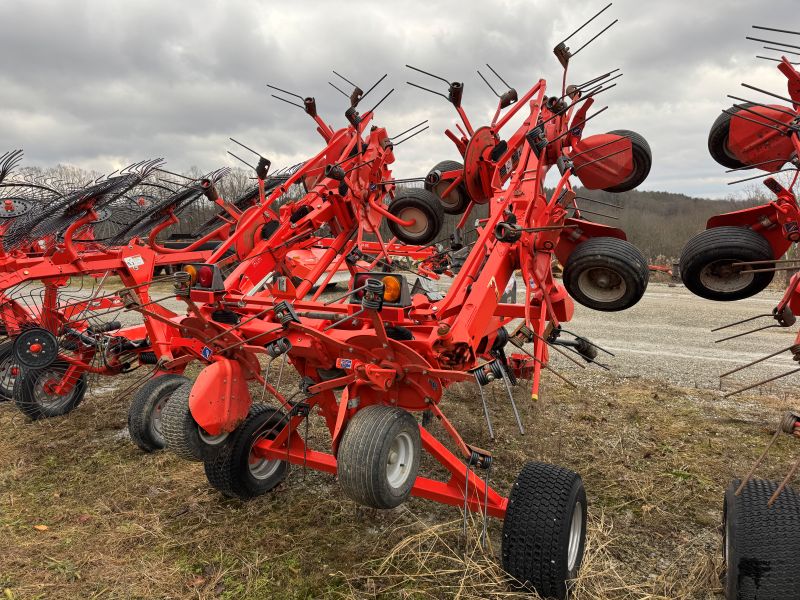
{"type": "Point", "coordinates": [101, 83]}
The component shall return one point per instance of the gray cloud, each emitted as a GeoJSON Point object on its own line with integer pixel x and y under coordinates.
{"type": "Point", "coordinates": [100, 83]}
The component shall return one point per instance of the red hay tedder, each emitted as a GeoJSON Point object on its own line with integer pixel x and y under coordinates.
{"type": "Point", "coordinates": [736, 257]}
{"type": "Point", "coordinates": [371, 359]}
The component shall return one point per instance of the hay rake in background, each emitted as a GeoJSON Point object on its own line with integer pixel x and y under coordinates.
{"type": "Point", "coordinates": [372, 358]}
{"type": "Point", "coordinates": [736, 257]}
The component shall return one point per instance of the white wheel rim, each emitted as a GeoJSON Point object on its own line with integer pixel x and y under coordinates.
{"type": "Point", "coordinates": [452, 199]}
{"type": "Point", "coordinates": [47, 399]}
{"type": "Point", "coordinates": [420, 222]}
{"type": "Point", "coordinates": [399, 460]}
{"type": "Point", "coordinates": [155, 419]}
{"type": "Point", "coordinates": [211, 440]}
{"type": "Point", "coordinates": [7, 377]}
{"type": "Point", "coordinates": [720, 276]}
{"type": "Point", "coordinates": [602, 284]}
{"type": "Point", "coordinates": [262, 468]}
{"type": "Point", "coordinates": [575, 536]}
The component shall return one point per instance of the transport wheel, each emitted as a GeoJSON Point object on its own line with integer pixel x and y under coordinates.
{"type": "Point", "coordinates": [378, 456]}
{"type": "Point", "coordinates": [34, 395]}
{"type": "Point", "coordinates": [544, 532]}
{"type": "Point", "coordinates": [8, 371]}
{"type": "Point", "coordinates": [642, 161]}
{"type": "Point", "coordinates": [144, 413]}
{"type": "Point", "coordinates": [235, 470]}
{"type": "Point", "coordinates": [761, 544]}
{"type": "Point", "coordinates": [182, 434]}
{"type": "Point", "coordinates": [718, 140]}
{"type": "Point", "coordinates": [607, 274]}
{"type": "Point", "coordinates": [456, 201]}
{"type": "Point", "coordinates": [708, 261]}
{"type": "Point", "coordinates": [421, 206]}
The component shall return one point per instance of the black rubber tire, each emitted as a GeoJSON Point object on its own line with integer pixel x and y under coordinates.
{"type": "Point", "coordinates": [537, 527]}
{"type": "Point", "coordinates": [181, 432]}
{"type": "Point", "coordinates": [642, 161]}
{"type": "Point", "coordinates": [26, 400]}
{"type": "Point", "coordinates": [229, 470]}
{"type": "Point", "coordinates": [7, 363]}
{"type": "Point", "coordinates": [422, 202]}
{"type": "Point", "coordinates": [721, 245]}
{"type": "Point", "coordinates": [149, 398]}
{"type": "Point", "coordinates": [761, 544]}
{"type": "Point", "coordinates": [364, 455]}
{"type": "Point", "coordinates": [621, 258]}
{"type": "Point", "coordinates": [718, 140]}
{"type": "Point", "coordinates": [458, 200]}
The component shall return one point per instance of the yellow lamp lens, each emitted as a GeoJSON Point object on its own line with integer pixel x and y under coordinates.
{"type": "Point", "coordinates": [391, 289]}
{"type": "Point", "coordinates": [192, 273]}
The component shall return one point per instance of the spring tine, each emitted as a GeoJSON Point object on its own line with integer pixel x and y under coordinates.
{"type": "Point", "coordinates": [599, 202]}
{"type": "Point", "coordinates": [285, 92]}
{"type": "Point", "coordinates": [602, 31]}
{"type": "Point", "coordinates": [402, 133]}
{"type": "Point", "coordinates": [374, 85]}
{"type": "Point", "coordinates": [784, 483]}
{"type": "Point", "coordinates": [752, 112]}
{"type": "Point", "coordinates": [496, 74]}
{"type": "Point", "coordinates": [776, 30]}
{"type": "Point", "coordinates": [763, 41]}
{"type": "Point", "coordinates": [288, 101]}
{"type": "Point", "coordinates": [779, 97]}
{"type": "Point", "coordinates": [372, 110]}
{"type": "Point", "coordinates": [779, 50]}
{"type": "Point", "coordinates": [758, 462]}
{"type": "Point", "coordinates": [748, 319]}
{"type": "Point", "coordinates": [511, 399]}
{"type": "Point", "coordinates": [280, 372]}
{"type": "Point", "coordinates": [410, 136]}
{"type": "Point", "coordinates": [739, 116]}
{"type": "Point", "coordinates": [485, 409]}
{"type": "Point", "coordinates": [738, 335]}
{"type": "Point", "coordinates": [240, 159]}
{"type": "Point", "coordinates": [781, 110]}
{"type": "Point", "coordinates": [489, 84]}
{"type": "Point", "coordinates": [750, 166]}
{"type": "Point", "coordinates": [429, 75]}
{"type": "Point", "coordinates": [600, 12]}
{"type": "Point", "coordinates": [583, 210]}
{"type": "Point", "coordinates": [750, 387]}
{"type": "Point", "coordinates": [466, 497]}
{"type": "Point", "coordinates": [338, 90]}
{"type": "Point", "coordinates": [761, 176]}
{"type": "Point", "coordinates": [755, 362]}
{"type": "Point", "coordinates": [486, 506]}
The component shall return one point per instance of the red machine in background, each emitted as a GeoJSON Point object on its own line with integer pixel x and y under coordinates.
{"type": "Point", "coordinates": [372, 358]}
{"type": "Point", "coordinates": [736, 257]}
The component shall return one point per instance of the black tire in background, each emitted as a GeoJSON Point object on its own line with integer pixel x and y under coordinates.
{"type": "Point", "coordinates": [706, 264]}
{"type": "Point", "coordinates": [456, 201]}
{"type": "Point", "coordinates": [424, 208]}
{"type": "Point", "coordinates": [181, 432]}
{"type": "Point", "coordinates": [36, 402]}
{"type": "Point", "coordinates": [606, 274]}
{"type": "Point", "coordinates": [8, 367]}
{"type": "Point", "coordinates": [144, 413]}
{"type": "Point", "coordinates": [761, 544]}
{"type": "Point", "coordinates": [234, 472]}
{"type": "Point", "coordinates": [378, 457]}
{"type": "Point", "coordinates": [544, 532]}
{"type": "Point", "coordinates": [718, 140]}
{"type": "Point", "coordinates": [642, 161]}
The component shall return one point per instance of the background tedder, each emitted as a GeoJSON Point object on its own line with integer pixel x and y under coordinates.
{"type": "Point", "coordinates": [736, 257]}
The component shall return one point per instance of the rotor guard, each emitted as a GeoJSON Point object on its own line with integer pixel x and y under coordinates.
{"type": "Point", "coordinates": [606, 172]}
{"type": "Point", "coordinates": [220, 398]}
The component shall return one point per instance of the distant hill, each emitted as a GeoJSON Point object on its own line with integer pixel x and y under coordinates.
{"type": "Point", "coordinates": [659, 223]}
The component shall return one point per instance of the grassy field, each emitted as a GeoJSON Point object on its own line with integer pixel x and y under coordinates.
{"type": "Point", "coordinates": [84, 514]}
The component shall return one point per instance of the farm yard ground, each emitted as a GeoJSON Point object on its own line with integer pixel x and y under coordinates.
{"type": "Point", "coordinates": [84, 514]}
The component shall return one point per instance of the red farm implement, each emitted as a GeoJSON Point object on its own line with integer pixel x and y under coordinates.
{"type": "Point", "coordinates": [736, 257]}
{"type": "Point", "coordinates": [371, 359]}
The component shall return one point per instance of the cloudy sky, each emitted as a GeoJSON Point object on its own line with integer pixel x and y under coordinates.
{"type": "Point", "coordinates": [101, 83]}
